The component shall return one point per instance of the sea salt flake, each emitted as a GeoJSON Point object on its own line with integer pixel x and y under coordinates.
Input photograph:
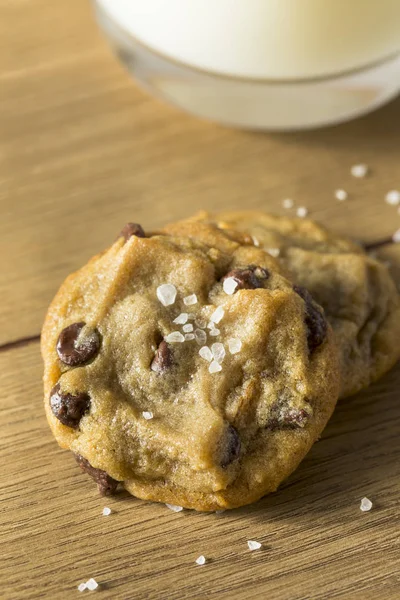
{"type": "Point", "coordinates": [393, 197]}
{"type": "Point", "coordinates": [190, 300]}
{"type": "Point", "coordinates": [229, 286]}
{"type": "Point", "coordinates": [106, 511]}
{"type": "Point", "coordinates": [82, 587]}
{"type": "Point", "coordinates": [188, 328]}
{"type": "Point", "coordinates": [181, 319]}
{"type": "Point", "coordinates": [218, 351]}
{"type": "Point", "coordinates": [206, 353]}
{"type": "Point", "coordinates": [92, 584]}
{"type": "Point", "coordinates": [365, 505]}
{"type": "Point", "coordinates": [234, 345]}
{"type": "Point", "coordinates": [201, 560]}
{"type": "Point", "coordinates": [275, 252]}
{"type": "Point", "coordinates": [214, 332]}
{"type": "Point", "coordinates": [166, 293]}
{"type": "Point", "coordinates": [253, 545]}
{"type": "Point", "coordinates": [200, 336]}
{"type": "Point", "coordinates": [214, 367]}
{"type": "Point", "coordinates": [217, 314]}
{"type": "Point", "coordinates": [341, 195]}
{"type": "Point", "coordinates": [174, 337]}
{"type": "Point", "coordinates": [396, 237]}
{"type": "Point", "coordinates": [302, 212]}
{"type": "Point", "coordinates": [189, 336]}
{"type": "Point", "coordinates": [147, 414]}
{"type": "Point", "coordinates": [174, 508]}
{"type": "Point", "coordinates": [359, 171]}
{"type": "Point", "coordinates": [287, 203]}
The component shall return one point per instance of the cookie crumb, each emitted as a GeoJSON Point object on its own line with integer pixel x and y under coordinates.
{"type": "Point", "coordinates": [147, 414]}
{"type": "Point", "coordinates": [174, 507]}
{"type": "Point", "coordinates": [365, 505]}
{"type": "Point", "coordinates": [206, 353]}
{"type": "Point", "coordinates": [201, 560]}
{"type": "Point", "coordinates": [190, 300]}
{"type": "Point", "coordinates": [234, 345]}
{"type": "Point", "coordinates": [393, 197]}
{"type": "Point", "coordinates": [218, 352]}
{"type": "Point", "coordinates": [92, 584]}
{"type": "Point", "coordinates": [82, 587]}
{"type": "Point", "coordinates": [217, 314]}
{"type": "Point", "coordinates": [287, 203]}
{"type": "Point", "coordinates": [181, 319]}
{"type": "Point", "coordinates": [166, 293]}
{"type": "Point", "coordinates": [229, 286]}
{"type": "Point", "coordinates": [302, 212]}
{"type": "Point", "coordinates": [359, 171]}
{"type": "Point", "coordinates": [275, 252]}
{"type": "Point", "coordinates": [341, 195]}
{"type": "Point", "coordinates": [214, 332]}
{"type": "Point", "coordinates": [106, 511]}
{"type": "Point", "coordinates": [253, 545]}
{"type": "Point", "coordinates": [200, 336]}
{"type": "Point", "coordinates": [214, 367]}
{"type": "Point", "coordinates": [189, 336]}
{"type": "Point", "coordinates": [188, 328]}
{"type": "Point", "coordinates": [174, 337]}
{"type": "Point", "coordinates": [396, 237]}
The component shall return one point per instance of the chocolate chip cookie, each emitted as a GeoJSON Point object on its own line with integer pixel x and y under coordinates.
{"type": "Point", "coordinates": [357, 293]}
{"type": "Point", "coordinates": [184, 366]}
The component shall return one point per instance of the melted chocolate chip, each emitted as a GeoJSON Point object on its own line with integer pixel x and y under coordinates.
{"type": "Point", "coordinates": [248, 278]}
{"type": "Point", "coordinates": [131, 229]}
{"type": "Point", "coordinates": [231, 447]}
{"type": "Point", "coordinates": [315, 320]}
{"type": "Point", "coordinates": [287, 417]}
{"type": "Point", "coordinates": [74, 349]}
{"type": "Point", "coordinates": [68, 408]}
{"type": "Point", "coordinates": [106, 484]}
{"type": "Point", "coordinates": [162, 360]}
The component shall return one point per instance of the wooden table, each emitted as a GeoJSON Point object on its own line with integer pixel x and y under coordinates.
{"type": "Point", "coordinates": [83, 150]}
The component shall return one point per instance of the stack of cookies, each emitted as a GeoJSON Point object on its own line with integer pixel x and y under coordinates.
{"type": "Point", "coordinates": [198, 364]}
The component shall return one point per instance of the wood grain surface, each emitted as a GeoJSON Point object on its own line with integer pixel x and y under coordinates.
{"type": "Point", "coordinates": [83, 150]}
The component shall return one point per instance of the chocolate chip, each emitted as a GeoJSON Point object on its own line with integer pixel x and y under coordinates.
{"type": "Point", "coordinates": [74, 349]}
{"type": "Point", "coordinates": [315, 319]}
{"type": "Point", "coordinates": [283, 417]}
{"type": "Point", "coordinates": [231, 447]}
{"type": "Point", "coordinates": [162, 360]}
{"type": "Point", "coordinates": [131, 229]}
{"type": "Point", "coordinates": [248, 278]}
{"type": "Point", "coordinates": [68, 408]}
{"type": "Point", "coordinates": [106, 484]}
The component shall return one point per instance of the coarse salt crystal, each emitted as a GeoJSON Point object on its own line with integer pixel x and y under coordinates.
{"type": "Point", "coordinates": [275, 252]}
{"type": "Point", "coordinates": [253, 545]}
{"type": "Point", "coordinates": [92, 584]}
{"type": "Point", "coordinates": [214, 367]}
{"type": "Point", "coordinates": [201, 560]}
{"type": "Point", "coordinates": [106, 511]}
{"type": "Point", "coordinates": [287, 203]}
{"type": "Point", "coordinates": [359, 170]}
{"type": "Point", "coordinates": [341, 195]}
{"type": "Point", "coordinates": [82, 587]}
{"type": "Point", "coordinates": [191, 317]}
{"type": "Point", "coordinates": [189, 336]}
{"type": "Point", "coordinates": [188, 328]}
{"type": "Point", "coordinates": [174, 337]}
{"type": "Point", "coordinates": [365, 505]}
{"type": "Point", "coordinates": [217, 314]}
{"type": "Point", "coordinates": [206, 353]}
{"type": "Point", "coordinates": [219, 512]}
{"type": "Point", "coordinates": [181, 319]}
{"type": "Point", "coordinates": [234, 345]}
{"type": "Point", "coordinates": [396, 237]}
{"type": "Point", "coordinates": [218, 352]}
{"type": "Point", "coordinates": [200, 322]}
{"type": "Point", "coordinates": [302, 212]}
{"type": "Point", "coordinates": [189, 300]}
{"type": "Point", "coordinates": [393, 197]}
{"type": "Point", "coordinates": [200, 336]}
{"type": "Point", "coordinates": [255, 241]}
{"type": "Point", "coordinates": [166, 293]}
{"type": "Point", "coordinates": [214, 332]}
{"type": "Point", "coordinates": [147, 414]}
{"type": "Point", "coordinates": [229, 286]}
{"type": "Point", "coordinates": [174, 508]}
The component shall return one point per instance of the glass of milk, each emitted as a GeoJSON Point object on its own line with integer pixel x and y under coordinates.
{"type": "Point", "coordinates": [261, 64]}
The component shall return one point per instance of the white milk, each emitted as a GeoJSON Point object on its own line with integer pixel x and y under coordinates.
{"type": "Point", "coordinates": [264, 39]}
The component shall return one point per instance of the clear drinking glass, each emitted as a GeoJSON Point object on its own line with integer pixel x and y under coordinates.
{"type": "Point", "coordinates": [261, 64]}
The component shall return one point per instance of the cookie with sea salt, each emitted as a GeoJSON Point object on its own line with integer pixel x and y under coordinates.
{"type": "Point", "coordinates": [185, 367]}
{"type": "Point", "coordinates": [357, 293]}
